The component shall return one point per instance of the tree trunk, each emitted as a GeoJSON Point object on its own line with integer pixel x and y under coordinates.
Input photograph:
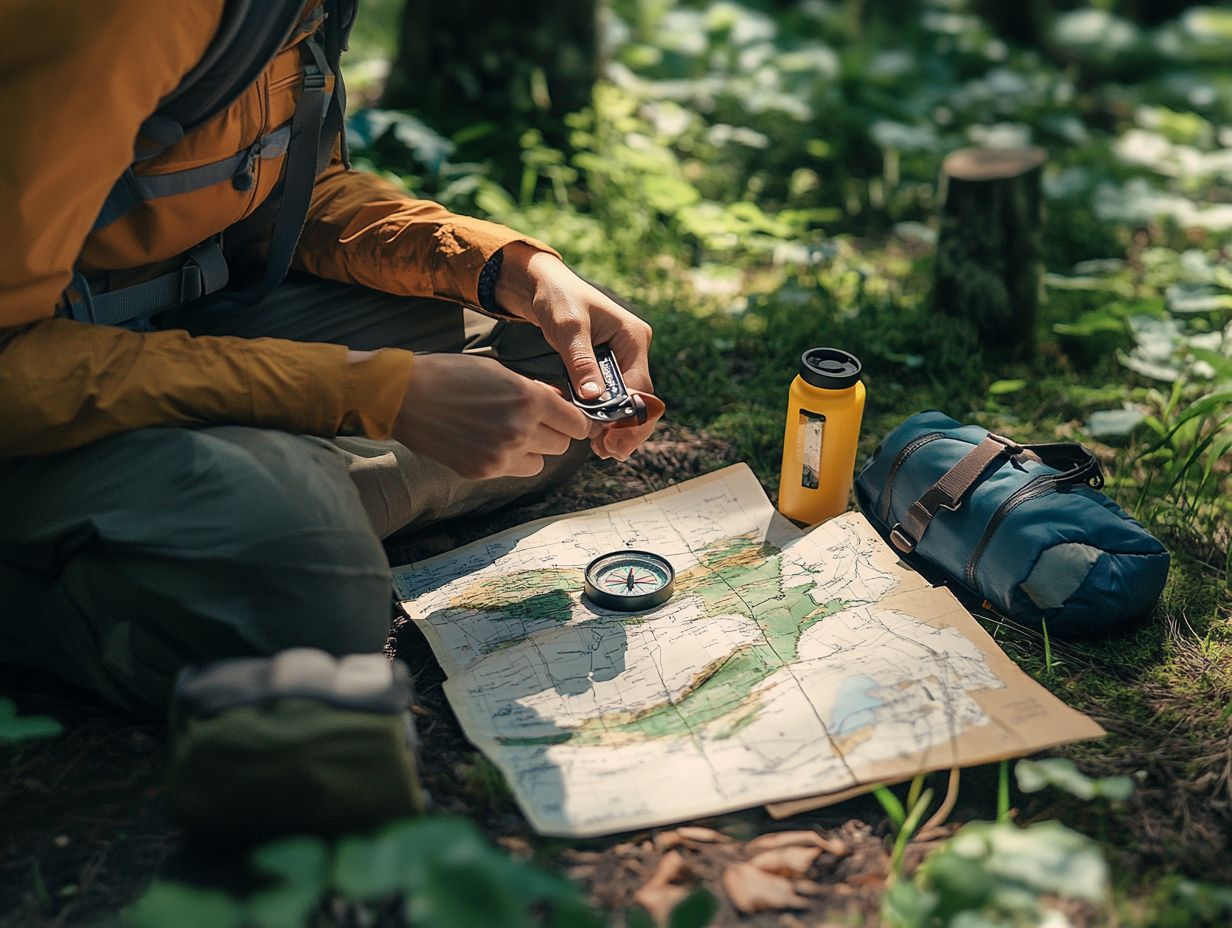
{"type": "Point", "coordinates": [469, 61]}
{"type": "Point", "coordinates": [989, 267]}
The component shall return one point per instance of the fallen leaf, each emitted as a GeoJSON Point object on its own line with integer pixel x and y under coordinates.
{"type": "Point", "coordinates": [516, 845]}
{"type": "Point", "coordinates": [777, 839]}
{"type": "Point", "coordinates": [624, 850]}
{"type": "Point", "coordinates": [666, 840]}
{"type": "Point", "coordinates": [784, 839]}
{"type": "Point", "coordinates": [835, 847]}
{"type": "Point", "coordinates": [658, 895]}
{"type": "Point", "coordinates": [787, 861]}
{"type": "Point", "coordinates": [752, 889]}
{"type": "Point", "coordinates": [671, 867]}
{"type": "Point", "coordinates": [588, 857]}
{"type": "Point", "coordinates": [808, 888]}
{"type": "Point", "coordinates": [702, 835]}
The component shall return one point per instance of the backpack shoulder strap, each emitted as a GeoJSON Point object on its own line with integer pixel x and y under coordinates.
{"type": "Point", "coordinates": [251, 34]}
{"type": "Point", "coordinates": [308, 143]}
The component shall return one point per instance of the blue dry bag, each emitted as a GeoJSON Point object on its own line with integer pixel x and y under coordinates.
{"type": "Point", "coordinates": [1022, 526]}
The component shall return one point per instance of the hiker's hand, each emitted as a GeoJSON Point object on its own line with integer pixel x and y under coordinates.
{"type": "Point", "coordinates": [574, 317]}
{"type": "Point", "coordinates": [482, 420]}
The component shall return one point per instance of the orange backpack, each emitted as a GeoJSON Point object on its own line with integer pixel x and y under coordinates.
{"type": "Point", "coordinates": [252, 32]}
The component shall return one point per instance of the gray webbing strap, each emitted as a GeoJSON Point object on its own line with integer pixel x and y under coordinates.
{"type": "Point", "coordinates": [204, 272]}
{"type": "Point", "coordinates": [949, 491]}
{"type": "Point", "coordinates": [134, 189]}
{"type": "Point", "coordinates": [299, 173]}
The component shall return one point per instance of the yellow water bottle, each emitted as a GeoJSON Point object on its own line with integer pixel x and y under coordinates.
{"type": "Point", "coordinates": [824, 408]}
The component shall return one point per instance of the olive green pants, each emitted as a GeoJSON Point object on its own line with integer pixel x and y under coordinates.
{"type": "Point", "coordinates": [124, 560]}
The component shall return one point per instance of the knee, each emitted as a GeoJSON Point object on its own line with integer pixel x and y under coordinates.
{"type": "Point", "coordinates": [260, 542]}
{"type": "Point", "coordinates": [312, 570]}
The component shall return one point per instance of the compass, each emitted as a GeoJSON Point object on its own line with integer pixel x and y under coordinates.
{"type": "Point", "coordinates": [629, 581]}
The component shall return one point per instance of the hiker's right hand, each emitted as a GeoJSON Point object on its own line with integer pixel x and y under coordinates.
{"type": "Point", "coordinates": [481, 420]}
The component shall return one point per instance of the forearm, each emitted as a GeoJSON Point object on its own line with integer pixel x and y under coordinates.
{"type": "Point", "coordinates": [362, 229]}
{"type": "Point", "coordinates": [65, 384]}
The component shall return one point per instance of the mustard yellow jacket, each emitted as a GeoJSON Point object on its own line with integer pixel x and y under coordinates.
{"type": "Point", "coordinates": [77, 79]}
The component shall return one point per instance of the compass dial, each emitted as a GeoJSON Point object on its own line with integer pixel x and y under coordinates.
{"type": "Point", "coordinates": [629, 581]}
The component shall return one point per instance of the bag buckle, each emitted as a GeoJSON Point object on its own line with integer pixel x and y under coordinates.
{"type": "Point", "coordinates": [901, 540]}
{"type": "Point", "coordinates": [1011, 446]}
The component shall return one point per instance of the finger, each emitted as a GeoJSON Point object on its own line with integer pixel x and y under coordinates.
{"type": "Point", "coordinates": [631, 346]}
{"type": "Point", "coordinates": [621, 443]}
{"type": "Point", "coordinates": [561, 415]}
{"type": "Point", "coordinates": [579, 357]}
{"type": "Point", "coordinates": [623, 439]}
{"type": "Point", "coordinates": [528, 465]}
{"type": "Point", "coordinates": [547, 440]}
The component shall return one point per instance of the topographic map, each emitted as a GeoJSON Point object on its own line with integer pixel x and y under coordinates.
{"type": "Point", "coordinates": [787, 664]}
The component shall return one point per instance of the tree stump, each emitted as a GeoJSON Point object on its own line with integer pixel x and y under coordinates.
{"type": "Point", "coordinates": [989, 267]}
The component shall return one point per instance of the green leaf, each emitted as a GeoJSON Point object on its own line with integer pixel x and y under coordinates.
{"type": "Point", "coordinates": [15, 728]}
{"type": "Point", "coordinates": [297, 860]}
{"type": "Point", "coordinates": [637, 917]}
{"type": "Point", "coordinates": [1114, 423]}
{"type": "Point", "coordinates": [694, 911]}
{"type": "Point", "coordinates": [303, 866]}
{"type": "Point", "coordinates": [1202, 407]}
{"type": "Point", "coordinates": [463, 894]}
{"type": "Point", "coordinates": [1044, 858]}
{"type": "Point", "coordinates": [1060, 772]}
{"type": "Point", "coordinates": [890, 805]}
{"type": "Point", "coordinates": [168, 903]}
{"type": "Point", "coordinates": [958, 886]}
{"type": "Point", "coordinates": [575, 913]}
{"type": "Point", "coordinates": [397, 858]}
{"type": "Point", "coordinates": [906, 905]}
{"type": "Point", "coordinates": [910, 824]}
{"type": "Point", "coordinates": [1003, 387]}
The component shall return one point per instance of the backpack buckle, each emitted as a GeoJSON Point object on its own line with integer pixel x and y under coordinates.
{"type": "Point", "coordinates": [192, 281]}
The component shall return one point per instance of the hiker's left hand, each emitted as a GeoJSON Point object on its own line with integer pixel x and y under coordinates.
{"type": "Point", "coordinates": [574, 317]}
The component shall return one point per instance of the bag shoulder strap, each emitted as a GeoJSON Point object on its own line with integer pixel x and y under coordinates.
{"type": "Point", "coordinates": [1074, 462]}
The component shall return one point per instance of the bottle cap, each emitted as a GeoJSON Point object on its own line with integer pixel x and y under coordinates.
{"type": "Point", "coordinates": [830, 368]}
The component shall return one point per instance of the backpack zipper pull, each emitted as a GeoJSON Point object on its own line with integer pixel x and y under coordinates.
{"type": "Point", "coordinates": [243, 180]}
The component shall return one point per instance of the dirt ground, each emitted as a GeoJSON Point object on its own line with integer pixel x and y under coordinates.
{"type": "Point", "coordinates": [84, 826]}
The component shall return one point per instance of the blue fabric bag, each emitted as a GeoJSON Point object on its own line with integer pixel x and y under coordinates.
{"type": "Point", "coordinates": [1021, 526]}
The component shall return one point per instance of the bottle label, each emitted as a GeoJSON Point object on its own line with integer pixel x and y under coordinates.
{"type": "Point", "coordinates": [809, 438]}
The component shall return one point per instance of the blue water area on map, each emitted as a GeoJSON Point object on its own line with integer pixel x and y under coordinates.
{"type": "Point", "coordinates": [856, 704]}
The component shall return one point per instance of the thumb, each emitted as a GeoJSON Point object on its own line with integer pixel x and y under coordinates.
{"type": "Point", "coordinates": [579, 357]}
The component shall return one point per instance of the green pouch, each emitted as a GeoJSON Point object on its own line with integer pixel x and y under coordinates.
{"type": "Point", "coordinates": [301, 742]}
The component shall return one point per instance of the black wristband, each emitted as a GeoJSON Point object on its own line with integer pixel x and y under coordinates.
{"type": "Point", "coordinates": [487, 284]}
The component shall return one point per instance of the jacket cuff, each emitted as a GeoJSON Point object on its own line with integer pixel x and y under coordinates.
{"type": "Point", "coordinates": [316, 389]}
{"type": "Point", "coordinates": [375, 388]}
{"type": "Point", "coordinates": [462, 250]}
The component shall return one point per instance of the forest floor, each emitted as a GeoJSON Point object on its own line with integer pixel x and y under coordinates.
{"type": "Point", "coordinates": [86, 824]}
